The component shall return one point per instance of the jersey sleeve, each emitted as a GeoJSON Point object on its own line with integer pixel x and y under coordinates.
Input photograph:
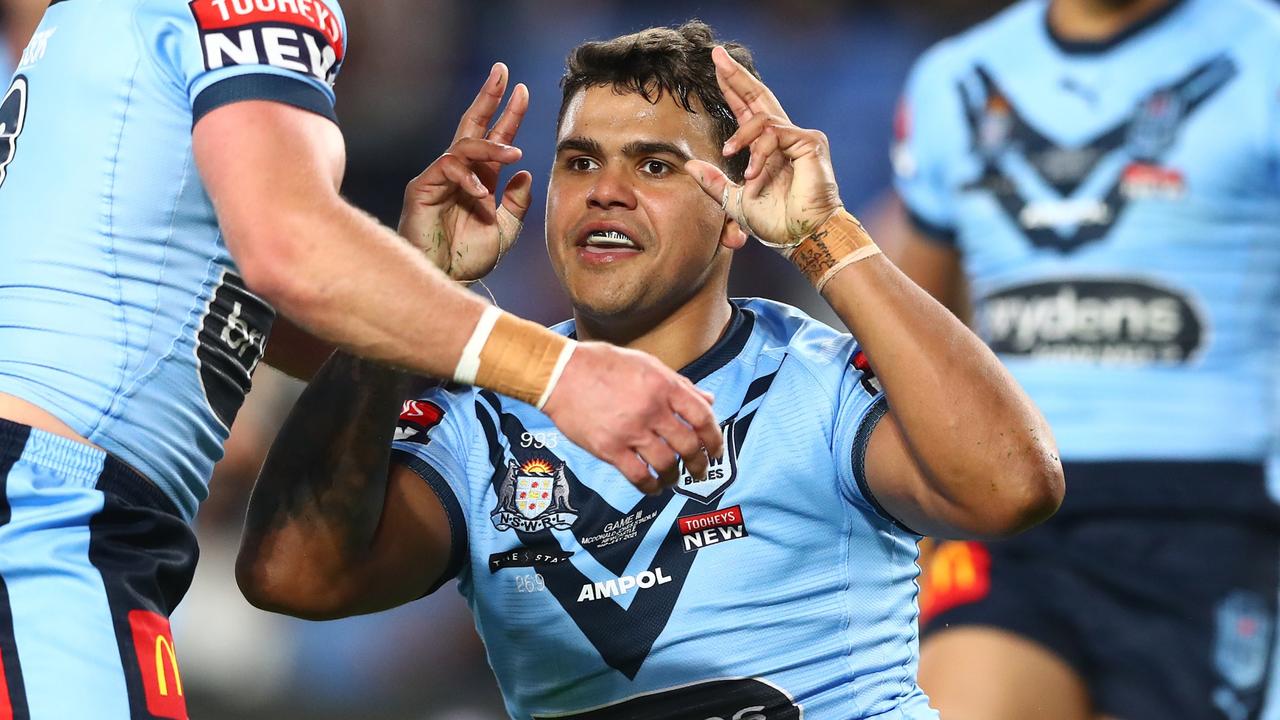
{"type": "Point", "coordinates": [226, 51]}
{"type": "Point", "coordinates": [927, 125]}
{"type": "Point", "coordinates": [860, 405]}
{"type": "Point", "coordinates": [433, 439]}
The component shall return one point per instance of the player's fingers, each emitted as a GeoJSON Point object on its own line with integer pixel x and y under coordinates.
{"type": "Point", "coordinates": [762, 150]}
{"type": "Point", "coordinates": [475, 121]}
{"type": "Point", "coordinates": [755, 94]}
{"type": "Point", "coordinates": [635, 470]}
{"type": "Point", "coordinates": [748, 131]}
{"type": "Point", "coordinates": [457, 171]}
{"type": "Point", "coordinates": [482, 150]}
{"type": "Point", "coordinates": [691, 405]}
{"type": "Point", "coordinates": [684, 441]}
{"type": "Point", "coordinates": [504, 131]}
{"type": "Point", "coordinates": [662, 458]}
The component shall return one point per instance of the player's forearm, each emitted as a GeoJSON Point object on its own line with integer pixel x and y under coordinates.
{"type": "Point", "coordinates": [348, 280]}
{"type": "Point", "coordinates": [315, 510]}
{"type": "Point", "coordinates": [977, 438]}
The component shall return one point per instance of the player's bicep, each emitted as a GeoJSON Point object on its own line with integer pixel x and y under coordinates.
{"type": "Point", "coordinates": [413, 550]}
{"type": "Point", "coordinates": [268, 167]}
{"type": "Point", "coordinates": [899, 486]}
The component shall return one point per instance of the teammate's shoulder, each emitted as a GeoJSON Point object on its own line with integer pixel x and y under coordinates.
{"type": "Point", "coordinates": [957, 53]}
{"type": "Point", "coordinates": [788, 330]}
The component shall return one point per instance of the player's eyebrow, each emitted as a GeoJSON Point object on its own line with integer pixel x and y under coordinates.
{"type": "Point", "coordinates": [635, 148]}
{"type": "Point", "coordinates": [654, 147]}
{"type": "Point", "coordinates": [580, 144]}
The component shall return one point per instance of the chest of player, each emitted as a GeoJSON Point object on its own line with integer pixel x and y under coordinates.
{"type": "Point", "coordinates": [568, 559]}
{"type": "Point", "coordinates": [1097, 160]}
{"type": "Point", "coordinates": [1106, 219]}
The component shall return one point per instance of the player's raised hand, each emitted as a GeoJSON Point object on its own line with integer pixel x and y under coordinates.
{"type": "Point", "coordinates": [451, 211]}
{"type": "Point", "coordinates": [633, 412]}
{"type": "Point", "coordinates": [790, 187]}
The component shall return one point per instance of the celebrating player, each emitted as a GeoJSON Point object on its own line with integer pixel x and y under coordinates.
{"type": "Point", "coordinates": [781, 580]}
{"type": "Point", "coordinates": [169, 172]}
{"type": "Point", "coordinates": [1101, 175]}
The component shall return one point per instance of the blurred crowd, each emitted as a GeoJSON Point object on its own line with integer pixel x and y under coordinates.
{"type": "Point", "coordinates": [412, 67]}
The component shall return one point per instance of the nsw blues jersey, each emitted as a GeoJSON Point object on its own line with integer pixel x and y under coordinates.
{"type": "Point", "coordinates": [774, 587]}
{"type": "Point", "coordinates": [1117, 208]}
{"type": "Point", "coordinates": [121, 311]}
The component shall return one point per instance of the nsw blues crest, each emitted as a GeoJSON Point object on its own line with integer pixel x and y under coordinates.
{"type": "Point", "coordinates": [534, 496]}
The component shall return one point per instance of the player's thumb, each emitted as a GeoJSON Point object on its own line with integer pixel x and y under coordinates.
{"type": "Point", "coordinates": [518, 195]}
{"type": "Point", "coordinates": [710, 178]}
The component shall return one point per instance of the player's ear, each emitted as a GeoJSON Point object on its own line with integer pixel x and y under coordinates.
{"type": "Point", "coordinates": [732, 235]}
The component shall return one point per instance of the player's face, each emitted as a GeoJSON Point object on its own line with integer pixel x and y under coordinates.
{"type": "Point", "coordinates": [631, 236]}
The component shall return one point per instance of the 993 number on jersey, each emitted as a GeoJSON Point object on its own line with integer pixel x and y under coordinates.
{"type": "Point", "coordinates": [13, 115]}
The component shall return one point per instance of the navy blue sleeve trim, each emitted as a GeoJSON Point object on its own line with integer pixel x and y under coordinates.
{"type": "Point", "coordinates": [938, 233]}
{"type": "Point", "coordinates": [262, 86]}
{"type": "Point", "coordinates": [458, 548]}
{"type": "Point", "coordinates": [859, 459]}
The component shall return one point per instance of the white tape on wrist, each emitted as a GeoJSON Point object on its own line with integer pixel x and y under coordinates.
{"type": "Point", "coordinates": [469, 363]}
{"type": "Point", "coordinates": [565, 353]}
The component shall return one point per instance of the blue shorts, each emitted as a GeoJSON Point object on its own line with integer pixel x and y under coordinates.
{"type": "Point", "coordinates": [93, 558]}
{"type": "Point", "coordinates": [1164, 614]}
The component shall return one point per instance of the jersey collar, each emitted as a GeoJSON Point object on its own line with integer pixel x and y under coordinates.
{"type": "Point", "coordinates": [1093, 47]}
{"type": "Point", "coordinates": [728, 347]}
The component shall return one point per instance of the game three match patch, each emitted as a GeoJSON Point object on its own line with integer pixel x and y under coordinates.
{"type": "Point", "coordinates": [300, 35]}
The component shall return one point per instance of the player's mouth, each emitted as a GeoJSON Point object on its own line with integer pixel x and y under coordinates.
{"type": "Point", "coordinates": [601, 243]}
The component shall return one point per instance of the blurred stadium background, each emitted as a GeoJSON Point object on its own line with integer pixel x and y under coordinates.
{"type": "Point", "coordinates": [413, 67]}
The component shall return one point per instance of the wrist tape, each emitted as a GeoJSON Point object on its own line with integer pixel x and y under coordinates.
{"type": "Point", "coordinates": [514, 357]}
{"type": "Point", "coordinates": [836, 244]}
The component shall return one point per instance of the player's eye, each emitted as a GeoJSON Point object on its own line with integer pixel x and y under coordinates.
{"type": "Point", "coordinates": [582, 164]}
{"type": "Point", "coordinates": [655, 167]}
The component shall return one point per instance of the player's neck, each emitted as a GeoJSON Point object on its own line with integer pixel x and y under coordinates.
{"type": "Point", "coordinates": [677, 339]}
{"type": "Point", "coordinates": [1098, 20]}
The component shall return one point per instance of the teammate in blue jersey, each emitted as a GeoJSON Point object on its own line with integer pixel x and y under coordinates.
{"type": "Point", "coordinates": [779, 583]}
{"type": "Point", "coordinates": [1098, 181]}
{"type": "Point", "coordinates": [169, 175]}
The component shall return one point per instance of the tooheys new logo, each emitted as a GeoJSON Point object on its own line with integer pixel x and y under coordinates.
{"type": "Point", "coordinates": [1113, 321]}
{"type": "Point", "coordinates": [300, 35]}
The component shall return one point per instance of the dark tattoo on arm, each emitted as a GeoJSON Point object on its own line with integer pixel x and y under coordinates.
{"type": "Point", "coordinates": [327, 469]}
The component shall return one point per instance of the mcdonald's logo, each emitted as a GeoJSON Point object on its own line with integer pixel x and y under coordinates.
{"type": "Point", "coordinates": [6, 704]}
{"type": "Point", "coordinates": [957, 573]}
{"type": "Point", "coordinates": [158, 664]}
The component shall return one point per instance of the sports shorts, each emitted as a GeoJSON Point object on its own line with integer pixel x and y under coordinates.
{"type": "Point", "coordinates": [1168, 612]}
{"type": "Point", "coordinates": [93, 558]}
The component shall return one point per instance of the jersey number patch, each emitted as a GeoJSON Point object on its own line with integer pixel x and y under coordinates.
{"type": "Point", "coordinates": [13, 113]}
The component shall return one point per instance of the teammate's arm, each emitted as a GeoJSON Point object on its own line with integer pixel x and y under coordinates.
{"type": "Point", "coordinates": [934, 266]}
{"type": "Point", "coordinates": [273, 173]}
{"type": "Point", "coordinates": [334, 527]}
{"type": "Point", "coordinates": [962, 451]}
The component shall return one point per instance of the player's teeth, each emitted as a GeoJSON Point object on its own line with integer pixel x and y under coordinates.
{"type": "Point", "coordinates": [609, 237]}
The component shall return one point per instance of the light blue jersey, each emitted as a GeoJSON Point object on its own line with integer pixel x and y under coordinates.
{"type": "Point", "coordinates": [1117, 210]}
{"type": "Point", "coordinates": [121, 311]}
{"type": "Point", "coordinates": [776, 588]}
